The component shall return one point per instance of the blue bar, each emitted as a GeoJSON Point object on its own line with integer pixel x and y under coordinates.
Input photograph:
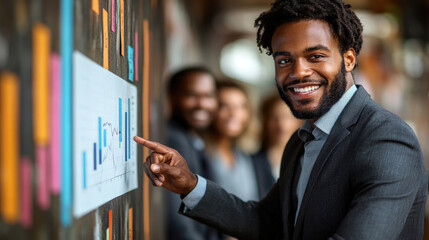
{"type": "Point", "coordinates": [95, 156]}
{"type": "Point", "coordinates": [99, 138]}
{"type": "Point", "coordinates": [84, 170]}
{"type": "Point", "coordinates": [129, 132]}
{"type": "Point", "coordinates": [126, 136]}
{"type": "Point", "coordinates": [130, 64]}
{"type": "Point", "coordinates": [104, 132]}
{"type": "Point", "coordinates": [120, 121]}
{"type": "Point", "coordinates": [66, 50]}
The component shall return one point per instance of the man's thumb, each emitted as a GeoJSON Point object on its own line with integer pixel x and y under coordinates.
{"type": "Point", "coordinates": [161, 168]}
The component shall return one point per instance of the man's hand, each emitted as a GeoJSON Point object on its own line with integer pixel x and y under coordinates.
{"type": "Point", "coordinates": [166, 167]}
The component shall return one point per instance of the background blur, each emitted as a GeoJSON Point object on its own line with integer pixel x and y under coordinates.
{"type": "Point", "coordinates": [393, 67]}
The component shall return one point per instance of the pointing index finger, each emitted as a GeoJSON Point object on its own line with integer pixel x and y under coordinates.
{"type": "Point", "coordinates": [154, 146]}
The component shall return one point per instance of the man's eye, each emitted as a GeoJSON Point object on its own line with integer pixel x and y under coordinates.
{"type": "Point", "coordinates": [316, 56]}
{"type": "Point", "coordinates": [283, 61]}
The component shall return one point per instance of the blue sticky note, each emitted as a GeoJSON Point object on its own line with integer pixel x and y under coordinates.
{"type": "Point", "coordinates": [66, 46]}
{"type": "Point", "coordinates": [130, 63]}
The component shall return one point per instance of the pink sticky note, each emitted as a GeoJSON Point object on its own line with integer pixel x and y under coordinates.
{"type": "Point", "coordinates": [112, 16]}
{"type": "Point", "coordinates": [26, 173]}
{"type": "Point", "coordinates": [136, 56]}
{"type": "Point", "coordinates": [55, 148]}
{"type": "Point", "coordinates": [42, 177]}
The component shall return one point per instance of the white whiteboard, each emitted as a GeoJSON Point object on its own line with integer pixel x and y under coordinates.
{"type": "Point", "coordinates": [104, 122]}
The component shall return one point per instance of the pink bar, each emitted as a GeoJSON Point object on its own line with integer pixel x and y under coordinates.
{"type": "Point", "coordinates": [42, 177]}
{"type": "Point", "coordinates": [26, 193]}
{"type": "Point", "coordinates": [112, 14]}
{"type": "Point", "coordinates": [54, 153]}
{"type": "Point", "coordinates": [136, 56]}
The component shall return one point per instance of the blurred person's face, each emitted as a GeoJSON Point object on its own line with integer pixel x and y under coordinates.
{"type": "Point", "coordinates": [195, 101]}
{"type": "Point", "coordinates": [280, 124]}
{"type": "Point", "coordinates": [310, 70]}
{"type": "Point", "coordinates": [233, 114]}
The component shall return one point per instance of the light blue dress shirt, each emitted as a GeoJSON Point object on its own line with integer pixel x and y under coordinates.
{"type": "Point", "coordinates": [323, 127]}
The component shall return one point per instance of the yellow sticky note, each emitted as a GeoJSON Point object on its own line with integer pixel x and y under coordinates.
{"type": "Point", "coordinates": [105, 41]}
{"type": "Point", "coordinates": [122, 28]}
{"type": "Point", "coordinates": [96, 6]}
{"type": "Point", "coordinates": [41, 57]}
{"type": "Point", "coordinates": [9, 147]}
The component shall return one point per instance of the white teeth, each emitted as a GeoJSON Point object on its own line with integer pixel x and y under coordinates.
{"type": "Point", "coordinates": [306, 89]}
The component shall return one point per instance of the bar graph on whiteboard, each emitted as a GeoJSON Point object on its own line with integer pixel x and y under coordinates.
{"type": "Point", "coordinates": [104, 122]}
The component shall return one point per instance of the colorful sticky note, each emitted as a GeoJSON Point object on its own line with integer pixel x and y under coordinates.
{"type": "Point", "coordinates": [107, 234]}
{"type": "Point", "coordinates": [54, 153]}
{"type": "Point", "coordinates": [42, 177]}
{"type": "Point", "coordinates": [96, 6]}
{"type": "Point", "coordinates": [105, 41]}
{"type": "Point", "coordinates": [122, 28]}
{"type": "Point", "coordinates": [110, 224]}
{"type": "Point", "coordinates": [145, 99]}
{"type": "Point", "coordinates": [66, 45]}
{"type": "Point", "coordinates": [26, 206]}
{"type": "Point", "coordinates": [130, 224]}
{"type": "Point", "coordinates": [9, 147]}
{"type": "Point", "coordinates": [146, 65]}
{"type": "Point", "coordinates": [130, 63]}
{"type": "Point", "coordinates": [112, 16]}
{"type": "Point", "coordinates": [41, 58]}
{"type": "Point", "coordinates": [136, 55]}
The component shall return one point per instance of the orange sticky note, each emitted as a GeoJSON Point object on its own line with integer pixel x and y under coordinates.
{"type": "Point", "coordinates": [122, 28]}
{"type": "Point", "coordinates": [105, 41]}
{"type": "Point", "coordinates": [130, 224]}
{"type": "Point", "coordinates": [110, 224]}
{"type": "Point", "coordinates": [145, 99]}
{"type": "Point", "coordinates": [96, 6]}
{"type": "Point", "coordinates": [9, 147]}
{"type": "Point", "coordinates": [41, 102]}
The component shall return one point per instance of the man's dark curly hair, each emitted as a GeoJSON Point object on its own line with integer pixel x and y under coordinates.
{"type": "Point", "coordinates": [344, 23]}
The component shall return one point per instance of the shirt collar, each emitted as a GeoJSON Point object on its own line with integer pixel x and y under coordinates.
{"type": "Point", "coordinates": [326, 122]}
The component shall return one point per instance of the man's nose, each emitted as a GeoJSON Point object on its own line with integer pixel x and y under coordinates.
{"type": "Point", "coordinates": [203, 101]}
{"type": "Point", "coordinates": [300, 70]}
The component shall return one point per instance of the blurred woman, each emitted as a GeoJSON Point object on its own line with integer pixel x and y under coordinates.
{"type": "Point", "coordinates": [233, 169]}
{"type": "Point", "coordinates": [278, 125]}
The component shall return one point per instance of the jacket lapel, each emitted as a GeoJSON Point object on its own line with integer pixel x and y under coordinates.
{"type": "Point", "coordinates": [294, 149]}
{"type": "Point", "coordinates": [340, 130]}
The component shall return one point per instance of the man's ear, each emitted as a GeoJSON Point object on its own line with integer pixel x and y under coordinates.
{"type": "Point", "coordinates": [349, 59]}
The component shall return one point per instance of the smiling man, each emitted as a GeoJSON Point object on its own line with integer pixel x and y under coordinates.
{"type": "Point", "coordinates": [352, 171]}
{"type": "Point", "coordinates": [193, 101]}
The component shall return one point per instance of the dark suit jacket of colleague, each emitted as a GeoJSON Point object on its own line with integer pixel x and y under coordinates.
{"type": "Point", "coordinates": [264, 177]}
{"type": "Point", "coordinates": [180, 227]}
{"type": "Point", "coordinates": [368, 182]}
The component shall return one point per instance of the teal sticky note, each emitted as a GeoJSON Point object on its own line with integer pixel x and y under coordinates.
{"type": "Point", "coordinates": [130, 63]}
{"type": "Point", "coordinates": [66, 46]}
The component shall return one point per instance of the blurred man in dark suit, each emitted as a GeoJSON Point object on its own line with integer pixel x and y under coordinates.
{"type": "Point", "coordinates": [193, 102]}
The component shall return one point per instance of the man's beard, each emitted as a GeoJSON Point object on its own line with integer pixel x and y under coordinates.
{"type": "Point", "coordinates": [336, 91]}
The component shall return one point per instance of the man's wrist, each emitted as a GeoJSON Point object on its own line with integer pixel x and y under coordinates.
{"type": "Point", "coordinates": [193, 198]}
{"type": "Point", "coordinates": [192, 186]}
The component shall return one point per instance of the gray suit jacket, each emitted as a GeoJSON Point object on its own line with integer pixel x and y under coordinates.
{"type": "Point", "coordinates": [368, 182]}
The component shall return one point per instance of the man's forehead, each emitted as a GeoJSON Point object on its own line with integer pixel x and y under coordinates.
{"type": "Point", "coordinates": [304, 34]}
